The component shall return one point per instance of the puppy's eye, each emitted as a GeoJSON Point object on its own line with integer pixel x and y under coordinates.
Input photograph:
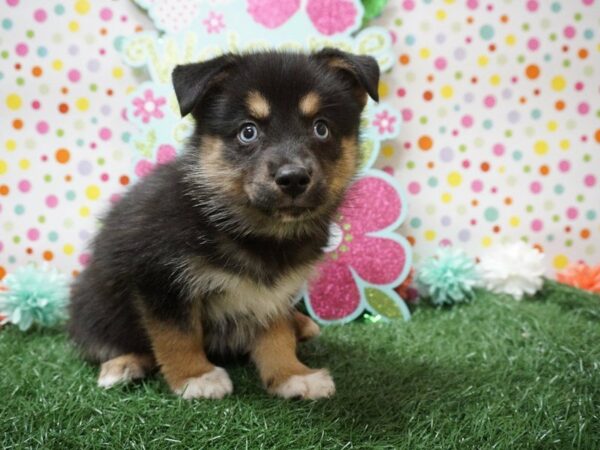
{"type": "Point", "coordinates": [248, 133]}
{"type": "Point", "coordinates": [321, 130]}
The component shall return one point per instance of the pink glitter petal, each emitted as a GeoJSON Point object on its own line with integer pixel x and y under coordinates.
{"type": "Point", "coordinates": [376, 260]}
{"type": "Point", "coordinates": [272, 13]}
{"type": "Point", "coordinates": [334, 295]}
{"type": "Point", "coordinates": [331, 16]}
{"type": "Point", "coordinates": [371, 205]}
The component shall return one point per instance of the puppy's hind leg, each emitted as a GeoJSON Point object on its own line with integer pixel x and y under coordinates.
{"type": "Point", "coordinates": [125, 368]}
{"type": "Point", "coordinates": [306, 328]}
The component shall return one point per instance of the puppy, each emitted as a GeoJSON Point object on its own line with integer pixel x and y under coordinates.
{"type": "Point", "coordinates": [203, 257]}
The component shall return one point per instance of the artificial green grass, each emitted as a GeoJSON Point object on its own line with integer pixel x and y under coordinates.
{"type": "Point", "coordinates": [494, 373]}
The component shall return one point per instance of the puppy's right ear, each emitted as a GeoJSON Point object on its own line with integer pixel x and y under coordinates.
{"type": "Point", "coordinates": [193, 81]}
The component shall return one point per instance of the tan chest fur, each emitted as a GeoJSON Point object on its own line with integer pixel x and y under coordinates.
{"type": "Point", "coordinates": [232, 296]}
{"type": "Point", "coordinates": [244, 297]}
{"type": "Point", "coordinates": [235, 308]}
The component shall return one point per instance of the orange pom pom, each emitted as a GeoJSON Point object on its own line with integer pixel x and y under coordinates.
{"type": "Point", "coordinates": [2, 317]}
{"type": "Point", "coordinates": [581, 276]}
{"type": "Point", "coordinates": [403, 289]}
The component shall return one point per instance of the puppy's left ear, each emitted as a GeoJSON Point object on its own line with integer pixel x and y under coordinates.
{"type": "Point", "coordinates": [193, 81]}
{"type": "Point", "coordinates": [363, 69]}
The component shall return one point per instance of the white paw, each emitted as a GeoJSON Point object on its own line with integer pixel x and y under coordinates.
{"type": "Point", "coordinates": [214, 384]}
{"type": "Point", "coordinates": [312, 386]}
{"type": "Point", "coordinates": [112, 374]}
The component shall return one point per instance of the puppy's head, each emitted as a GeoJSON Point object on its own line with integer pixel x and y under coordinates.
{"type": "Point", "coordinates": [276, 139]}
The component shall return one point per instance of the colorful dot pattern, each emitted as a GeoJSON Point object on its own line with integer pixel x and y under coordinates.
{"type": "Point", "coordinates": [501, 133]}
{"type": "Point", "coordinates": [63, 140]}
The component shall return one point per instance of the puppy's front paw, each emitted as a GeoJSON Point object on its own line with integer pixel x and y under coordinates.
{"type": "Point", "coordinates": [312, 386]}
{"type": "Point", "coordinates": [214, 384]}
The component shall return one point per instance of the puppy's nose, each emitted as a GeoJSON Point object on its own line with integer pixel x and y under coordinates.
{"type": "Point", "coordinates": [292, 180]}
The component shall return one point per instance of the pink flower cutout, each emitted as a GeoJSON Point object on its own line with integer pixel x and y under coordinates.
{"type": "Point", "coordinates": [362, 246]}
{"type": "Point", "coordinates": [148, 106]}
{"type": "Point", "coordinates": [143, 168]}
{"type": "Point", "coordinates": [331, 16]}
{"type": "Point", "coordinates": [328, 16]}
{"type": "Point", "coordinates": [214, 23]}
{"type": "Point", "coordinates": [384, 122]}
{"type": "Point", "coordinates": [272, 13]}
{"type": "Point", "coordinates": [165, 154]}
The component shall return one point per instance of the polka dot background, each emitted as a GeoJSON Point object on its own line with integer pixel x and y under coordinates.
{"type": "Point", "coordinates": [63, 152]}
{"type": "Point", "coordinates": [500, 141]}
{"type": "Point", "coordinates": [501, 132]}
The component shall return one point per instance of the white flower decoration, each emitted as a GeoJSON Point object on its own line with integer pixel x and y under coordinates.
{"type": "Point", "coordinates": [514, 269]}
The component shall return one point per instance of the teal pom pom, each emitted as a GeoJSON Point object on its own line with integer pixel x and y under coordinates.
{"type": "Point", "coordinates": [34, 296]}
{"type": "Point", "coordinates": [448, 277]}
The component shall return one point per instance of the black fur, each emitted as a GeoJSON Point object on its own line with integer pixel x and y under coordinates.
{"type": "Point", "coordinates": [184, 212]}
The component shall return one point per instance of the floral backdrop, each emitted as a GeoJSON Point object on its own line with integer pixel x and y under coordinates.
{"type": "Point", "coordinates": [366, 259]}
{"type": "Point", "coordinates": [499, 103]}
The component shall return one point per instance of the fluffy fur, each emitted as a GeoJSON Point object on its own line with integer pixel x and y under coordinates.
{"type": "Point", "coordinates": [206, 254]}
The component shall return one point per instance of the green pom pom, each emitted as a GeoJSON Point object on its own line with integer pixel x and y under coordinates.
{"type": "Point", "coordinates": [34, 296]}
{"type": "Point", "coordinates": [448, 277]}
{"type": "Point", "coordinates": [373, 9]}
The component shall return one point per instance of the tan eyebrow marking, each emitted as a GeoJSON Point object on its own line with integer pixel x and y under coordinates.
{"type": "Point", "coordinates": [310, 103]}
{"type": "Point", "coordinates": [339, 63]}
{"type": "Point", "coordinates": [258, 105]}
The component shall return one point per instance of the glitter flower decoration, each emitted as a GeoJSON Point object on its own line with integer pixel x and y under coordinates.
{"type": "Point", "coordinates": [364, 259]}
{"type": "Point", "coordinates": [515, 269]}
{"type": "Point", "coordinates": [329, 17]}
{"type": "Point", "coordinates": [214, 23]}
{"type": "Point", "coordinates": [272, 13]}
{"type": "Point", "coordinates": [34, 296]}
{"type": "Point", "coordinates": [581, 276]}
{"type": "Point", "coordinates": [448, 277]}
{"type": "Point", "coordinates": [148, 107]}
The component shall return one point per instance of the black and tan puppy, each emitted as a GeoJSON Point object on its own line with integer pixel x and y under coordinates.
{"type": "Point", "coordinates": [205, 255]}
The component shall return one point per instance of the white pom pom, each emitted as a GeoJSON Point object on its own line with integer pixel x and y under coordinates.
{"type": "Point", "coordinates": [515, 269]}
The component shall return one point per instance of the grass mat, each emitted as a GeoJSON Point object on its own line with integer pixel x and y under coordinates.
{"type": "Point", "coordinates": [494, 373]}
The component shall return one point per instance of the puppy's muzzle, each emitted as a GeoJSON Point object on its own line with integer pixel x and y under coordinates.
{"type": "Point", "coordinates": [293, 180]}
